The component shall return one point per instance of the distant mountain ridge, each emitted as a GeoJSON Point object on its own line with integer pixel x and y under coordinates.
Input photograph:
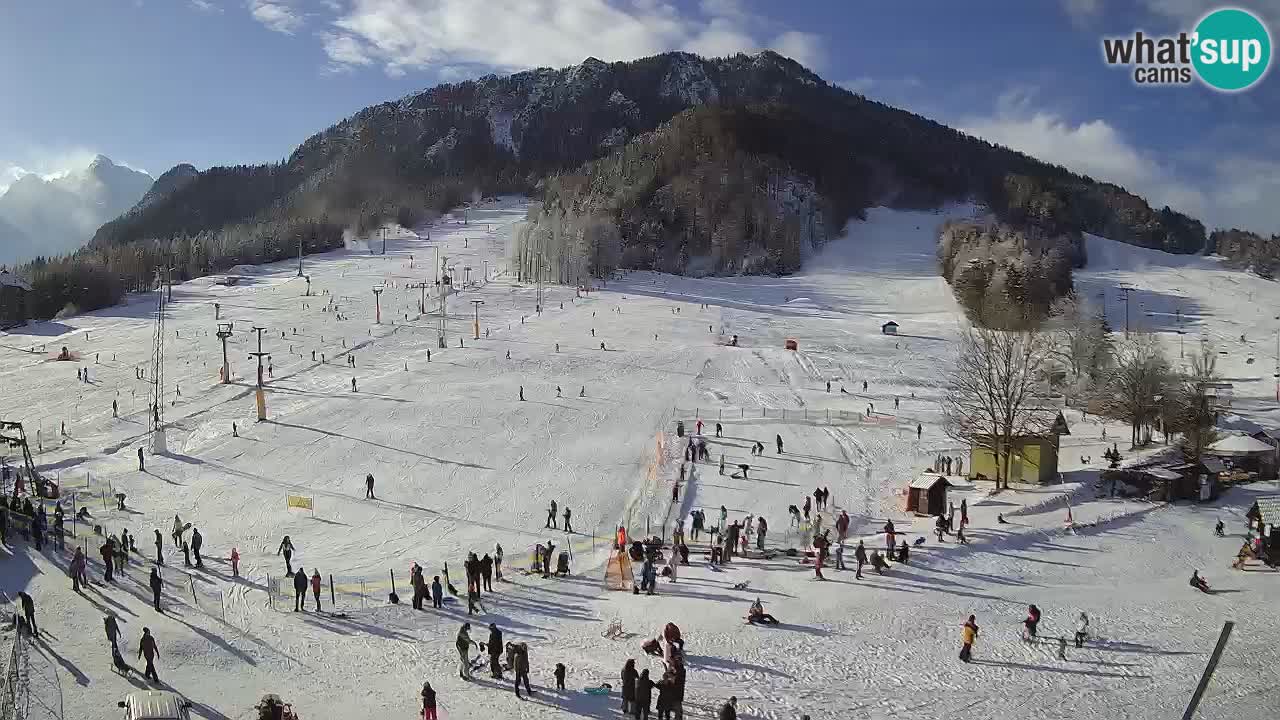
{"type": "Point", "coordinates": [58, 215]}
{"type": "Point", "coordinates": [431, 150]}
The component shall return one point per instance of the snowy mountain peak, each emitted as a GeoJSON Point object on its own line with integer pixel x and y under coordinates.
{"type": "Point", "coordinates": [63, 209]}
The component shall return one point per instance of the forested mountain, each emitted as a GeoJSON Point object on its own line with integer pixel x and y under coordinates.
{"type": "Point", "coordinates": [799, 145]}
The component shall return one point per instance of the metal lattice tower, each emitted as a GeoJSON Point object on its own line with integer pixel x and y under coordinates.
{"type": "Point", "coordinates": [155, 420]}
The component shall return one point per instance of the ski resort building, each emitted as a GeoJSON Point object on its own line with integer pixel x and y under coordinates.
{"type": "Point", "coordinates": [13, 300]}
{"type": "Point", "coordinates": [889, 328]}
{"type": "Point", "coordinates": [1034, 456]}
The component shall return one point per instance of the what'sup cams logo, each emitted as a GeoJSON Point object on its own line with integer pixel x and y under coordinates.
{"type": "Point", "coordinates": [1229, 50]}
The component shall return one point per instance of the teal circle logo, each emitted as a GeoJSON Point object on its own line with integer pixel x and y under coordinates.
{"type": "Point", "coordinates": [1231, 49]}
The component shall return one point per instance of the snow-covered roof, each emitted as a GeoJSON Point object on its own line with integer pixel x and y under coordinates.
{"type": "Point", "coordinates": [1239, 445]}
{"type": "Point", "coordinates": [1270, 509]}
{"type": "Point", "coordinates": [890, 323]}
{"type": "Point", "coordinates": [1162, 473]}
{"type": "Point", "coordinates": [8, 279]}
{"type": "Point", "coordinates": [925, 482]}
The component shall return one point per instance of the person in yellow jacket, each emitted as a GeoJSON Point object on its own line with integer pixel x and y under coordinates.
{"type": "Point", "coordinates": [968, 634]}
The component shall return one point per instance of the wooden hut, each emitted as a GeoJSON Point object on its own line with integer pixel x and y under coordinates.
{"type": "Point", "coordinates": [927, 495]}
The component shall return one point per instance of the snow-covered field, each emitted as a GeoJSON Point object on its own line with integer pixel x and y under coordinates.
{"type": "Point", "coordinates": [461, 464]}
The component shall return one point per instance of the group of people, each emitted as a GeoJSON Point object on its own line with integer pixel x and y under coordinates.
{"type": "Point", "coordinates": [638, 686]}
{"type": "Point", "coordinates": [1030, 629]}
{"type": "Point", "coordinates": [944, 464]}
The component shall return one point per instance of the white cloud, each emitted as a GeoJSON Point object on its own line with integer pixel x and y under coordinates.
{"type": "Point", "coordinates": [344, 50]}
{"type": "Point", "coordinates": [206, 6]}
{"type": "Point", "coordinates": [1093, 148]}
{"type": "Point", "coordinates": [407, 35]}
{"type": "Point", "coordinates": [1222, 189]}
{"type": "Point", "coordinates": [277, 15]}
{"type": "Point", "coordinates": [805, 48]}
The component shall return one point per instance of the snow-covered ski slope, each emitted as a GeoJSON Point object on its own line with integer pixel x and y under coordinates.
{"type": "Point", "coordinates": [461, 464]}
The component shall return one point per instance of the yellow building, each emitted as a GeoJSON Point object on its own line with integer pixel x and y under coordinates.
{"type": "Point", "coordinates": [1034, 458]}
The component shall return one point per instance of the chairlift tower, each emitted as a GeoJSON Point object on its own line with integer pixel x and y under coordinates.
{"type": "Point", "coordinates": [155, 418]}
{"type": "Point", "coordinates": [224, 332]}
{"type": "Point", "coordinates": [260, 393]}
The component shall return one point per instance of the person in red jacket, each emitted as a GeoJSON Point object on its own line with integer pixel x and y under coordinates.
{"type": "Point", "coordinates": [315, 587]}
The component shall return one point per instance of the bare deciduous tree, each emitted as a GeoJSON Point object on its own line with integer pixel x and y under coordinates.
{"type": "Point", "coordinates": [1132, 387]}
{"type": "Point", "coordinates": [992, 393]}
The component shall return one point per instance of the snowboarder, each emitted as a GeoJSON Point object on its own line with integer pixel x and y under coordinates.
{"type": "Point", "coordinates": [568, 515]}
{"type": "Point", "coordinates": [583, 392]}
{"type": "Point", "coordinates": [196, 541]}
{"type": "Point", "coordinates": [300, 590]}
{"type": "Point", "coordinates": [368, 487]}
{"type": "Point", "coordinates": [286, 549]}
{"type": "Point", "coordinates": [1082, 629]}
{"type": "Point", "coordinates": [968, 634]}
{"type": "Point", "coordinates": [315, 587]}
{"type": "Point", "coordinates": [778, 440]}
{"type": "Point", "coordinates": [156, 586]}
{"type": "Point", "coordinates": [463, 643]}
{"type": "Point", "coordinates": [147, 649]}
{"type": "Point", "coordinates": [551, 517]}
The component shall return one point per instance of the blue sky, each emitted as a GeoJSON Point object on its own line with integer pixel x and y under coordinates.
{"type": "Point", "coordinates": [156, 82]}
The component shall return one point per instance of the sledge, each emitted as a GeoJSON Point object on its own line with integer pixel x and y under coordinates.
{"type": "Point", "coordinates": [742, 585]}
{"type": "Point", "coordinates": [118, 664]}
{"type": "Point", "coordinates": [603, 689]}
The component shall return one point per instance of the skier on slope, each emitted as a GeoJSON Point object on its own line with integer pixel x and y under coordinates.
{"type": "Point", "coordinates": [778, 440]}
{"type": "Point", "coordinates": [551, 516]}
{"type": "Point", "coordinates": [368, 487]}
{"type": "Point", "coordinates": [159, 548]}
